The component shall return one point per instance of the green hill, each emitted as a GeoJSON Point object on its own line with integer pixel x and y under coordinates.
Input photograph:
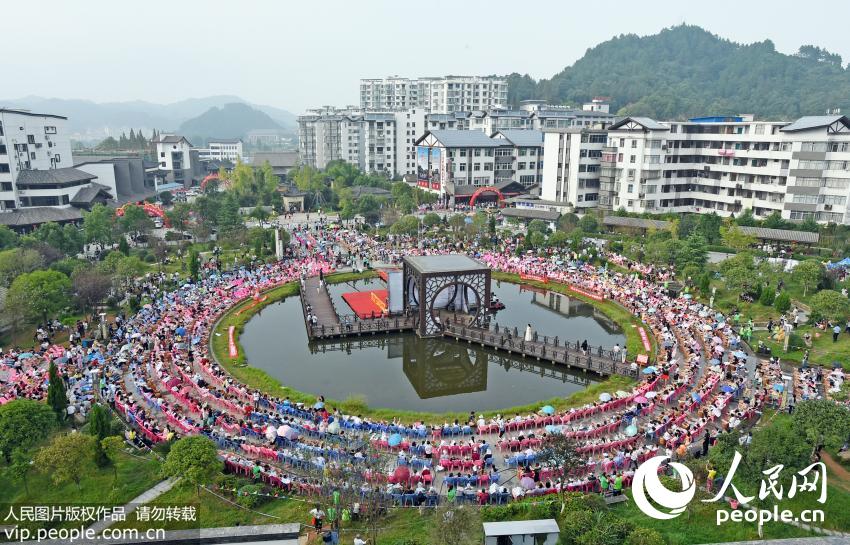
{"type": "Point", "coordinates": [687, 71]}
{"type": "Point", "coordinates": [229, 121]}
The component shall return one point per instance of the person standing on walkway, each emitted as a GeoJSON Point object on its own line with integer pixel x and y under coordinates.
{"type": "Point", "coordinates": [528, 334]}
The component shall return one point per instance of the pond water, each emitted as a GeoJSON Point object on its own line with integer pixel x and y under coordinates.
{"type": "Point", "coordinates": [406, 372]}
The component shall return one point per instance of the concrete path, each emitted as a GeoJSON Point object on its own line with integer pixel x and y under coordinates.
{"type": "Point", "coordinates": [145, 497]}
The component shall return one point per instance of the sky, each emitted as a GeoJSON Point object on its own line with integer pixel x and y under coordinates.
{"type": "Point", "coordinates": [301, 54]}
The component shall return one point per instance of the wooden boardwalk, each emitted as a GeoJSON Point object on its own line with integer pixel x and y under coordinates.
{"type": "Point", "coordinates": [329, 323]}
{"type": "Point", "coordinates": [597, 360]}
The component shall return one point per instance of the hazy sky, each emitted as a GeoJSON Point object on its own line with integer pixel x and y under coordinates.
{"type": "Point", "coordinates": [296, 54]}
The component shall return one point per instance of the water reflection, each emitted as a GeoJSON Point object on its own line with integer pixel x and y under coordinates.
{"type": "Point", "coordinates": [407, 372]}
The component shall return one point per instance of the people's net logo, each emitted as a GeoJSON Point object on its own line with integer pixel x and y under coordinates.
{"type": "Point", "coordinates": [651, 495]}
{"type": "Point", "coordinates": [647, 483]}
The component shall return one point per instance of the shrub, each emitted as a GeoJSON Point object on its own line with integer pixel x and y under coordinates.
{"type": "Point", "coordinates": [767, 297]}
{"type": "Point", "coordinates": [644, 536]}
{"type": "Point", "coordinates": [249, 496]}
{"type": "Point", "coordinates": [575, 525]}
{"type": "Point", "coordinates": [782, 303]}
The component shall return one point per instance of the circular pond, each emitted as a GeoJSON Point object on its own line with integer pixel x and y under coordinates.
{"type": "Point", "coordinates": [406, 372]}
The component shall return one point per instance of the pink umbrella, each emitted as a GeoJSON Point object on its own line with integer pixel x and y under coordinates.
{"type": "Point", "coordinates": [527, 483]}
{"type": "Point", "coordinates": [641, 399]}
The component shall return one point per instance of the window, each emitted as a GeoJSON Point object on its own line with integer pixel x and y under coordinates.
{"type": "Point", "coordinates": [476, 152]}
{"type": "Point", "coordinates": [463, 153]}
{"type": "Point", "coordinates": [32, 155]}
{"type": "Point", "coordinates": [30, 139]}
{"type": "Point", "coordinates": [57, 158]}
{"type": "Point", "coordinates": [476, 167]}
{"type": "Point", "coordinates": [520, 166]}
{"type": "Point", "coordinates": [634, 144]}
{"type": "Point", "coordinates": [1, 129]}
{"type": "Point", "coordinates": [4, 167]}
{"type": "Point", "coordinates": [462, 167]}
{"type": "Point", "coordinates": [6, 186]}
{"type": "Point", "coordinates": [631, 188]}
{"type": "Point", "coordinates": [631, 158]}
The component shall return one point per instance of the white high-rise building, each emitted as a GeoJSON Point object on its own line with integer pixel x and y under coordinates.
{"type": "Point", "coordinates": [711, 164]}
{"type": "Point", "coordinates": [376, 142]}
{"type": "Point", "coordinates": [436, 94]}
{"type": "Point", "coordinates": [32, 142]}
{"type": "Point", "coordinates": [571, 169]}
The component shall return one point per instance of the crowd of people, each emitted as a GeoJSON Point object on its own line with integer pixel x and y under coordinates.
{"type": "Point", "coordinates": [155, 368]}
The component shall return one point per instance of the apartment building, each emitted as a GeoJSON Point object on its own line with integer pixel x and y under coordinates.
{"type": "Point", "coordinates": [572, 167]}
{"type": "Point", "coordinates": [729, 164]}
{"type": "Point", "coordinates": [532, 115]}
{"type": "Point", "coordinates": [376, 142]}
{"type": "Point", "coordinates": [436, 94]}
{"type": "Point", "coordinates": [222, 149]}
{"type": "Point", "coordinates": [457, 162]}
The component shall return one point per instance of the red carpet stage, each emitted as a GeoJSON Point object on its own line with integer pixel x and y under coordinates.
{"type": "Point", "coordinates": [367, 304]}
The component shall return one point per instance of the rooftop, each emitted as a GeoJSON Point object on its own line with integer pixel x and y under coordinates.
{"type": "Point", "coordinates": [639, 223]}
{"type": "Point", "coordinates": [781, 235]}
{"type": "Point", "coordinates": [463, 139]}
{"type": "Point", "coordinates": [530, 213]}
{"type": "Point", "coordinates": [54, 176]}
{"type": "Point", "coordinates": [426, 264]}
{"type": "Point", "coordinates": [279, 159]}
{"type": "Point", "coordinates": [816, 122]}
{"type": "Point", "coordinates": [24, 217]}
{"type": "Point", "coordinates": [519, 527]}
{"type": "Point", "coordinates": [519, 137]}
{"type": "Point", "coordinates": [27, 112]}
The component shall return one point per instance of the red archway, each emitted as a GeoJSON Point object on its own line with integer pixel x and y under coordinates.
{"type": "Point", "coordinates": [488, 189]}
{"type": "Point", "coordinates": [207, 179]}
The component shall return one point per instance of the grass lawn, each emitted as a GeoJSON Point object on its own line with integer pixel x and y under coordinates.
{"type": "Point", "coordinates": [698, 525]}
{"type": "Point", "coordinates": [135, 475]}
{"type": "Point", "coordinates": [256, 378]}
{"type": "Point", "coordinates": [214, 512]}
{"type": "Point", "coordinates": [823, 351]}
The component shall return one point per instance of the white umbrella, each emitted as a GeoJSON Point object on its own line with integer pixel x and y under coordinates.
{"type": "Point", "coordinates": [650, 394]}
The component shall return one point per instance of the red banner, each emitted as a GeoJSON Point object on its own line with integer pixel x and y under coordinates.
{"type": "Point", "coordinates": [537, 277]}
{"type": "Point", "coordinates": [590, 294]}
{"type": "Point", "coordinates": [645, 339]}
{"type": "Point", "coordinates": [231, 342]}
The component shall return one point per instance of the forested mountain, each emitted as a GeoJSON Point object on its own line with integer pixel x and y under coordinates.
{"type": "Point", "coordinates": [96, 119]}
{"type": "Point", "coordinates": [230, 121]}
{"type": "Point", "coordinates": [687, 71]}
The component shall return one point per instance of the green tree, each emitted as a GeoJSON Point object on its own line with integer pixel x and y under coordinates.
{"type": "Point", "coordinates": [178, 216]}
{"type": "Point", "coordinates": [782, 303]}
{"type": "Point", "coordinates": [194, 264]}
{"type": "Point", "coordinates": [39, 294]}
{"type": "Point", "coordinates": [91, 286]}
{"type": "Point", "coordinates": [558, 239]}
{"type": "Point", "coordinates": [16, 262]}
{"type": "Point", "coordinates": [19, 468]}
{"type": "Point", "coordinates": [57, 397]}
{"type": "Point", "coordinates": [537, 226]}
{"type": "Point", "coordinates": [734, 237]}
{"type": "Point", "coordinates": [457, 221]}
{"type": "Point", "coordinates": [112, 446]}
{"type": "Point", "coordinates": [194, 459]}
{"type": "Point", "coordinates": [123, 245]}
{"type": "Point", "coordinates": [567, 222]}
{"type": "Point", "coordinates": [559, 450]}
{"type": "Point", "coordinates": [406, 225]}
{"type": "Point", "coordinates": [822, 422]}
{"type": "Point", "coordinates": [588, 224]}
{"type": "Point", "coordinates": [808, 274]}
{"type": "Point", "coordinates": [135, 220]}
{"type": "Point", "coordinates": [228, 219]}
{"type": "Point", "coordinates": [166, 197]}
{"type": "Point", "coordinates": [431, 219]}
{"type": "Point", "coordinates": [830, 304]}
{"type": "Point", "coordinates": [68, 458]}
{"type": "Point", "coordinates": [8, 238]}
{"type": "Point", "coordinates": [456, 525]}
{"type": "Point", "coordinates": [99, 427]}
{"type": "Point", "coordinates": [23, 424]}
{"type": "Point", "coordinates": [779, 443]}
{"type": "Point", "coordinates": [99, 225]}
{"type": "Point", "coordinates": [739, 279]}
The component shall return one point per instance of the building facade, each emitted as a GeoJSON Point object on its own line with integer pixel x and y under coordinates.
{"type": "Point", "coordinates": [455, 162]}
{"type": "Point", "coordinates": [436, 94]}
{"type": "Point", "coordinates": [724, 165]}
{"type": "Point", "coordinates": [29, 142]}
{"type": "Point", "coordinates": [222, 149]}
{"type": "Point", "coordinates": [376, 142]}
{"type": "Point", "coordinates": [571, 170]}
